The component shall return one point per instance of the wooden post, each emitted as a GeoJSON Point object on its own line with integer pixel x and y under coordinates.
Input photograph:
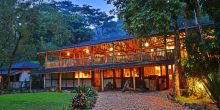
{"type": "Point", "coordinates": [30, 83]}
{"type": "Point", "coordinates": [133, 76]}
{"type": "Point", "coordinates": [122, 78]}
{"type": "Point", "coordinates": [73, 79]}
{"type": "Point", "coordinates": [114, 81]}
{"type": "Point", "coordinates": [167, 77]}
{"type": "Point", "coordinates": [92, 59]}
{"type": "Point", "coordinates": [102, 81]}
{"type": "Point", "coordinates": [113, 54]}
{"type": "Point", "coordinates": [44, 80]}
{"type": "Point", "coordinates": [46, 57]}
{"type": "Point", "coordinates": [78, 79]}
{"type": "Point", "coordinates": [92, 79]}
{"type": "Point", "coordinates": [51, 82]}
{"type": "Point", "coordinates": [60, 81]}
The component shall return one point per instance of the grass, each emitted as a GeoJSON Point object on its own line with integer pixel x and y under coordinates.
{"type": "Point", "coordinates": [35, 101]}
{"type": "Point", "coordinates": [194, 100]}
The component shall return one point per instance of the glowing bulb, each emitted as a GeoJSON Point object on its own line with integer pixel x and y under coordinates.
{"type": "Point", "coordinates": [111, 49]}
{"type": "Point", "coordinates": [151, 50]}
{"type": "Point", "coordinates": [87, 51]}
{"type": "Point", "coordinates": [200, 85]}
{"type": "Point", "coordinates": [68, 53]}
{"type": "Point", "coordinates": [146, 44]}
{"type": "Point", "coordinates": [119, 54]}
{"type": "Point", "coordinates": [170, 67]}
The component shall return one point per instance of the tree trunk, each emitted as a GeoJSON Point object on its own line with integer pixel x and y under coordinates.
{"type": "Point", "coordinates": [176, 74]}
{"type": "Point", "coordinates": [11, 60]}
{"type": "Point", "coordinates": [218, 71]}
{"type": "Point", "coordinates": [198, 17]}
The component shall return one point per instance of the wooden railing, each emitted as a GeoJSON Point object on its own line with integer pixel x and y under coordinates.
{"type": "Point", "coordinates": [134, 57]}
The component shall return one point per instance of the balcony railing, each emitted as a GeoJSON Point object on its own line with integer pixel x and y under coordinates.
{"type": "Point", "coordinates": [134, 57]}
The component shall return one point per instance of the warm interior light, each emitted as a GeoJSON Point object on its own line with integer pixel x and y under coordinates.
{"type": "Point", "coordinates": [170, 47]}
{"type": "Point", "coordinates": [170, 67]}
{"type": "Point", "coordinates": [119, 54]}
{"type": "Point", "coordinates": [200, 86]}
{"type": "Point", "coordinates": [87, 50]}
{"type": "Point", "coordinates": [151, 50]}
{"type": "Point", "coordinates": [111, 49]}
{"type": "Point", "coordinates": [68, 53]}
{"type": "Point", "coordinates": [146, 44]}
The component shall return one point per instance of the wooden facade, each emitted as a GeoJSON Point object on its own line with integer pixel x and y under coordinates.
{"type": "Point", "coordinates": [101, 63]}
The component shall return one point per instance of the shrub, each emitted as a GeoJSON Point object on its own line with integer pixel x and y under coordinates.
{"type": "Point", "coordinates": [80, 101]}
{"type": "Point", "coordinates": [85, 97]}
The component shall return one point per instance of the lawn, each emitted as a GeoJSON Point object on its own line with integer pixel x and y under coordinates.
{"type": "Point", "coordinates": [35, 101]}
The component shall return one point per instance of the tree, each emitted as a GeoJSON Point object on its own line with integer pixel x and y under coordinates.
{"type": "Point", "coordinates": [204, 52]}
{"type": "Point", "coordinates": [160, 16]}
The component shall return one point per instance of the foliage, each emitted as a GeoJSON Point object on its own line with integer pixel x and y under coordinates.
{"type": "Point", "coordinates": [195, 88]}
{"type": "Point", "coordinates": [80, 101]}
{"type": "Point", "coordinates": [88, 91]}
{"type": "Point", "coordinates": [85, 97]}
{"type": "Point", "coordinates": [145, 18]}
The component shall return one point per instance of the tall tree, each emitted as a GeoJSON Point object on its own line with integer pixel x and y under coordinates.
{"type": "Point", "coordinates": [144, 17]}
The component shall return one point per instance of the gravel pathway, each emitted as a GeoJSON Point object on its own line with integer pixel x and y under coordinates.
{"type": "Point", "coordinates": [135, 101]}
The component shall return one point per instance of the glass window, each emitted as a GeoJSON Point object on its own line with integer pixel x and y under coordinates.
{"type": "Point", "coordinates": [84, 74]}
{"type": "Point", "coordinates": [117, 73]}
{"type": "Point", "coordinates": [127, 73]}
{"type": "Point", "coordinates": [108, 74]}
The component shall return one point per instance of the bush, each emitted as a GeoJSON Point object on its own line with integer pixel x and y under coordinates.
{"type": "Point", "coordinates": [79, 101]}
{"type": "Point", "coordinates": [85, 98]}
{"type": "Point", "coordinates": [88, 91]}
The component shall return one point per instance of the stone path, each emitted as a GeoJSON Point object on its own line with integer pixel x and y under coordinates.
{"type": "Point", "coordinates": [135, 101]}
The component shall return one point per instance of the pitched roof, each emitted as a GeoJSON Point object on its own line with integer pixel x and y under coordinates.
{"type": "Point", "coordinates": [25, 65]}
{"type": "Point", "coordinates": [118, 38]}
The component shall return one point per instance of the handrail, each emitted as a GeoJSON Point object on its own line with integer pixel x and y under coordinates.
{"type": "Point", "coordinates": [131, 57]}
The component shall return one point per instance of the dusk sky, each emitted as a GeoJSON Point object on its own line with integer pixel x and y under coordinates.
{"type": "Point", "coordinates": [101, 4]}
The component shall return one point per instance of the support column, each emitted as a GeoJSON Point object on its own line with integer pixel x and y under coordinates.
{"type": "Point", "coordinates": [51, 82]}
{"type": "Point", "coordinates": [122, 78]}
{"type": "Point", "coordinates": [92, 79]}
{"type": "Point", "coordinates": [78, 79]}
{"type": "Point", "coordinates": [44, 86]}
{"type": "Point", "coordinates": [133, 77]}
{"type": "Point", "coordinates": [167, 77]}
{"type": "Point", "coordinates": [114, 81]}
{"type": "Point", "coordinates": [60, 81]}
{"type": "Point", "coordinates": [30, 83]}
{"type": "Point", "coordinates": [102, 81]}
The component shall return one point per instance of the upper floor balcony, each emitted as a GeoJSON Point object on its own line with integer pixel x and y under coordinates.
{"type": "Point", "coordinates": [159, 55]}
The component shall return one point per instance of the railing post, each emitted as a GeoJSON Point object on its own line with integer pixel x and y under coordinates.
{"type": "Point", "coordinates": [141, 56]}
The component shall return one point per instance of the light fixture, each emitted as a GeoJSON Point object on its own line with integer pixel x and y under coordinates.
{"type": "Point", "coordinates": [111, 49]}
{"type": "Point", "coordinates": [146, 44]}
{"type": "Point", "coordinates": [68, 53]}
{"type": "Point", "coordinates": [151, 50]}
{"type": "Point", "coordinates": [200, 85]}
{"type": "Point", "coordinates": [170, 66]}
{"type": "Point", "coordinates": [119, 54]}
{"type": "Point", "coordinates": [87, 50]}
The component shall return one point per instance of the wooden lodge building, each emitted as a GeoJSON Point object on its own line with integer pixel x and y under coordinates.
{"type": "Point", "coordinates": [101, 62]}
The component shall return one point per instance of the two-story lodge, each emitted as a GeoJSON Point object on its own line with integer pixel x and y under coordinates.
{"type": "Point", "coordinates": [99, 62]}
